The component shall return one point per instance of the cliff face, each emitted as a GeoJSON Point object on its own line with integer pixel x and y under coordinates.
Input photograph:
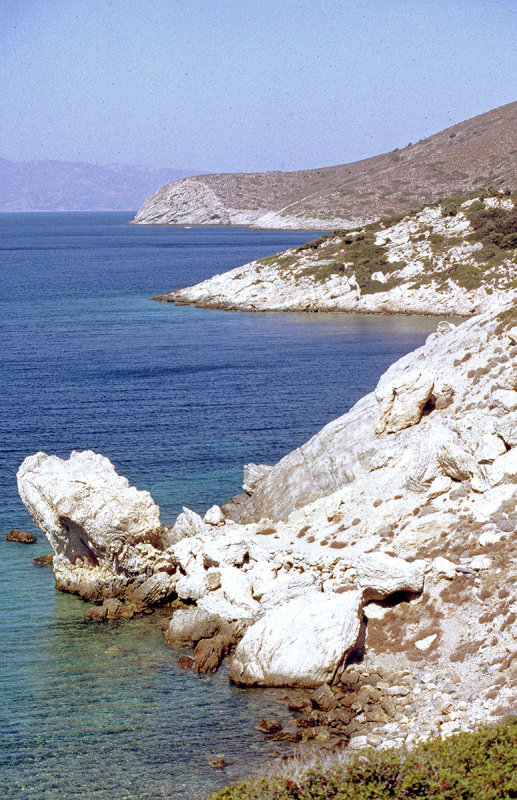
{"type": "Point", "coordinates": [479, 151]}
{"type": "Point", "coordinates": [456, 257]}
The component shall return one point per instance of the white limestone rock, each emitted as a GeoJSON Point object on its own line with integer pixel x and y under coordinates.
{"type": "Point", "coordinates": [402, 400]}
{"type": "Point", "coordinates": [443, 568]}
{"type": "Point", "coordinates": [218, 604]}
{"type": "Point", "coordinates": [93, 520]}
{"type": "Point", "coordinates": [253, 474]}
{"type": "Point", "coordinates": [505, 400]}
{"type": "Point", "coordinates": [287, 587]}
{"type": "Point", "coordinates": [193, 586]}
{"type": "Point", "coordinates": [425, 644]}
{"type": "Point", "coordinates": [227, 548]}
{"type": "Point", "coordinates": [214, 516]}
{"type": "Point", "coordinates": [380, 575]}
{"type": "Point", "coordinates": [480, 563]}
{"type": "Point", "coordinates": [456, 462]}
{"type": "Point", "coordinates": [512, 335]}
{"type": "Point", "coordinates": [300, 643]}
{"type": "Point", "coordinates": [506, 428]}
{"type": "Point", "coordinates": [504, 468]}
{"type": "Point", "coordinates": [188, 523]}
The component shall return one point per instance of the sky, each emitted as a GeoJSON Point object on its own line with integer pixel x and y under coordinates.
{"type": "Point", "coordinates": [245, 85]}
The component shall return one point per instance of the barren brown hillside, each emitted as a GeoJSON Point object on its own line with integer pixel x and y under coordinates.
{"type": "Point", "coordinates": [481, 151]}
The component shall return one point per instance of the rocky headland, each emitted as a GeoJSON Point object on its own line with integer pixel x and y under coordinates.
{"type": "Point", "coordinates": [477, 152]}
{"type": "Point", "coordinates": [374, 566]}
{"type": "Point", "coordinates": [456, 257]}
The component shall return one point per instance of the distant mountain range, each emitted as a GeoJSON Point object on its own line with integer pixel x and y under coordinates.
{"type": "Point", "coordinates": [78, 186]}
{"type": "Point", "coordinates": [481, 151]}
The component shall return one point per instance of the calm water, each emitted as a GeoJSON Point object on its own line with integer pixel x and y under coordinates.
{"type": "Point", "coordinates": [179, 399]}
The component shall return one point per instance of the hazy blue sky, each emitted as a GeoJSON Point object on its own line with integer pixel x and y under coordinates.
{"type": "Point", "coordinates": [245, 84]}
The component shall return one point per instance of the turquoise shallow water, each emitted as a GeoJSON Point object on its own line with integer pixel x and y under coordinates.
{"type": "Point", "coordinates": [179, 399]}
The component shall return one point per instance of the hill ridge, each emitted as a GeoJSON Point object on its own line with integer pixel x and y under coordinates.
{"type": "Point", "coordinates": [481, 151]}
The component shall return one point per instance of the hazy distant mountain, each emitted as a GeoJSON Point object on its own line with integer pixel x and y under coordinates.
{"type": "Point", "coordinates": [481, 151]}
{"type": "Point", "coordinates": [77, 186]}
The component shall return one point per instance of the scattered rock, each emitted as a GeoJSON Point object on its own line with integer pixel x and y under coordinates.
{"type": "Point", "coordinates": [44, 560]}
{"type": "Point", "coordinates": [187, 662]}
{"type": "Point", "coordinates": [381, 575]}
{"type": "Point", "coordinates": [479, 563]}
{"type": "Point", "coordinates": [402, 400]}
{"type": "Point", "coordinates": [425, 644]}
{"type": "Point", "coordinates": [323, 698]}
{"type": "Point", "coordinates": [214, 516]}
{"type": "Point", "coordinates": [16, 535]}
{"type": "Point", "coordinates": [269, 725]}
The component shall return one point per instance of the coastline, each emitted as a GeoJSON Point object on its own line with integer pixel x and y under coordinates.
{"type": "Point", "coordinates": [346, 551]}
{"type": "Point", "coordinates": [455, 258]}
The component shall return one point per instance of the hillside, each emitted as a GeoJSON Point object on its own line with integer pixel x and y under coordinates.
{"type": "Point", "coordinates": [454, 257]}
{"type": "Point", "coordinates": [481, 151]}
{"type": "Point", "coordinates": [77, 186]}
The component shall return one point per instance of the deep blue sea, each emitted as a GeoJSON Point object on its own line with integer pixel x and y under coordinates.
{"type": "Point", "coordinates": [179, 399]}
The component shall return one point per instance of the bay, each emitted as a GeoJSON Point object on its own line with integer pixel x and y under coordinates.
{"type": "Point", "coordinates": [179, 399]}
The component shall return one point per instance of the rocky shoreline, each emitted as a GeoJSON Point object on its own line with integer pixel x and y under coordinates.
{"type": "Point", "coordinates": [454, 258]}
{"type": "Point", "coordinates": [374, 565]}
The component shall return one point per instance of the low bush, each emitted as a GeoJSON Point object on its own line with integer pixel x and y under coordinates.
{"type": "Point", "coordinates": [493, 226]}
{"type": "Point", "coordinates": [468, 766]}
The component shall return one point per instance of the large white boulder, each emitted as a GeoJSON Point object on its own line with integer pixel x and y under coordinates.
{"type": "Point", "coordinates": [300, 643]}
{"type": "Point", "coordinates": [93, 519]}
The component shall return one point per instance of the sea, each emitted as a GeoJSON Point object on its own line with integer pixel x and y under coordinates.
{"type": "Point", "coordinates": [179, 399]}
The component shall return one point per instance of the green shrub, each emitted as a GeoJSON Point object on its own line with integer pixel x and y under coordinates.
{"type": "Point", "coordinates": [467, 766]}
{"type": "Point", "coordinates": [451, 205]}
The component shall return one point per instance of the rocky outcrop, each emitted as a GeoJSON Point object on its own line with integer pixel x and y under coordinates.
{"type": "Point", "coordinates": [105, 533]}
{"type": "Point", "coordinates": [445, 259]}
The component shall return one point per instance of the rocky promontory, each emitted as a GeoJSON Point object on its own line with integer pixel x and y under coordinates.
{"type": "Point", "coordinates": [456, 257]}
{"type": "Point", "coordinates": [477, 152]}
{"type": "Point", "coordinates": [377, 561]}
